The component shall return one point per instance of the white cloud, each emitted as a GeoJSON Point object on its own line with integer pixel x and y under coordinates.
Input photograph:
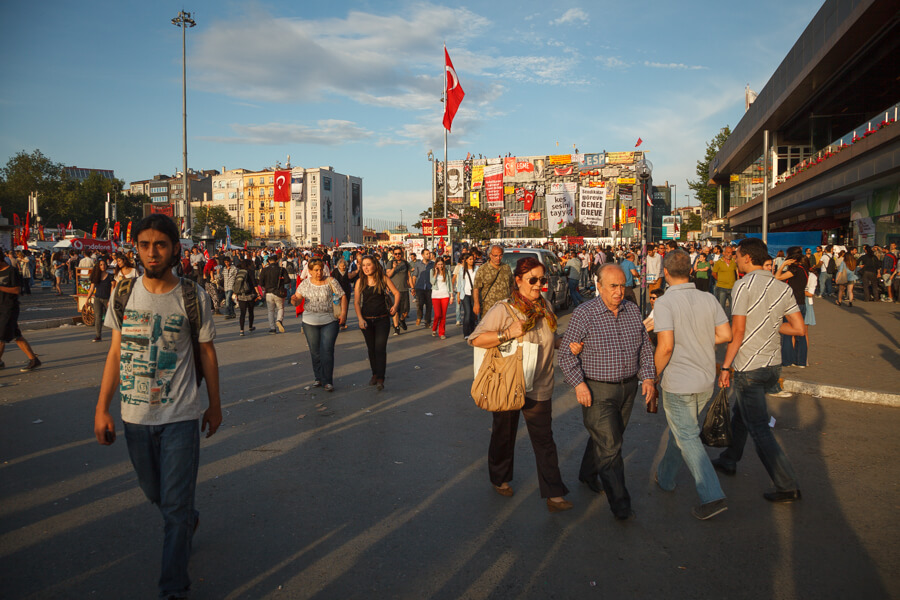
{"type": "Point", "coordinates": [612, 62]}
{"type": "Point", "coordinates": [680, 66]}
{"type": "Point", "coordinates": [329, 132]}
{"type": "Point", "coordinates": [570, 16]}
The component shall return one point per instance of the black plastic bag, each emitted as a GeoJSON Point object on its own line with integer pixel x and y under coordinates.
{"type": "Point", "coordinates": [716, 430]}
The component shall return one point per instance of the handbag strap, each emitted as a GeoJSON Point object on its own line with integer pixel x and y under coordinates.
{"type": "Point", "coordinates": [509, 310]}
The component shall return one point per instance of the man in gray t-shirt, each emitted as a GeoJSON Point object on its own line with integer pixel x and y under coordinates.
{"type": "Point", "coordinates": [688, 325]}
{"type": "Point", "coordinates": [400, 275]}
{"type": "Point", "coordinates": [151, 361]}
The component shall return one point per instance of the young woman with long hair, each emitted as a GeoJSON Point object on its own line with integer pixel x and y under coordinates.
{"type": "Point", "coordinates": [100, 291]}
{"type": "Point", "coordinates": [376, 300]}
{"type": "Point", "coordinates": [440, 298]}
{"type": "Point", "coordinates": [466, 287]}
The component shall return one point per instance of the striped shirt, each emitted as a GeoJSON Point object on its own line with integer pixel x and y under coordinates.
{"type": "Point", "coordinates": [616, 347]}
{"type": "Point", "coordinates": [764, 301]}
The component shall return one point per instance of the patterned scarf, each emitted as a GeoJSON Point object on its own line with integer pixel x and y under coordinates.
{"type": "Point", "coordinates": [532, 311]}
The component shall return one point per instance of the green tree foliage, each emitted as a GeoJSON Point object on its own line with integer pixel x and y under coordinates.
{"type": "Point", "coordinates": [576, 229]}
{"type": "Point", "coordinates": [707, 193]}
{"type": "Point", "coordinates": [478, 223]}
{"type": "Point", "coordinates": [532, 232]}
{"type": "Point", "coordinates": [214, 216]}
{"type": "Point", "coordinates": [26, 173]}
{"type": "Point", "coordinates": [694, 223]}
{"type": "Point", "coordinates": [426, 214]}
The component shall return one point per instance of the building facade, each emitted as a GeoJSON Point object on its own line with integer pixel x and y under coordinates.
{"type": "Point", "coordinates": [228, 192]}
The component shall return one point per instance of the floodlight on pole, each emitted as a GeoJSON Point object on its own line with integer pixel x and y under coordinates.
{"type": "Point", "coordinates": [184, 21]}
{"type": "Point", "coordinates": [644, 170]}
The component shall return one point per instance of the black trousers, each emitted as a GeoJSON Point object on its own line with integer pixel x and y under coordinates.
{"type": "Point", "coordinates": [538, 419]}
{"type": "Point", "coordinates": [423, 305]}
{"type": "Point", "coordinates": [246, 306]}
{"type": "Point", "coordinates": [702, 284]}
{"type": "Point", "coordinates": [606, 419]}
{"type": "Point", "coordinates": [376, 335]}
{"type": "Point", "coordinates": [870, 286]}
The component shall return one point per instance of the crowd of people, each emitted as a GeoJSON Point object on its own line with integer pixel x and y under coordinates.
{"type": "Point", "coordinates": [159, 308]}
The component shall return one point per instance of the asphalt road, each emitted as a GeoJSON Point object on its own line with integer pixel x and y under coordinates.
{"type": "Point", "coordinates": [360, 494]}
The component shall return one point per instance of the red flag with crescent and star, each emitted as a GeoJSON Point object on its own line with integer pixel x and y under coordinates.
{"type": "Point", "coordinates": [94, 231]}
{"type": "Point", "coordinates": [282, 186]}
{"type": "Point", "coordinates": [454, 92]}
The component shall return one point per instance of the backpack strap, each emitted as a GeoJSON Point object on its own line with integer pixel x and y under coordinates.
{"type": "Point", "coordinates": [120, 299]}
{"type": "Point", "coordinates": [192, 306]}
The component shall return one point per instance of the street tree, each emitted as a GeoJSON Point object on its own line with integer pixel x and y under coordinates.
{"type": "Point", "coordinates": [426, 214]}
{"type": "Point", "coordinates": [25, 173]}
{"type": "Point", "coordinates": [694, 223]}
{"type": "Point", "coordinates": [478, 223]}
{"type": "Point", "coordinates": [707, 193]}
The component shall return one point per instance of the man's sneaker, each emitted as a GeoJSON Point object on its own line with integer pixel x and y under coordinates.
{"type": "Point", "coordinates": [722, 467]}
{"type": "Point", "coordinates": [443, 337]}
{"type": "Point", "coordinates": [709, 509]}
{"type": "Point", "coordinates": [272, 332]}
{"type": "Point", "coordinates": [790, 496]}
{"type": "Point", "coordinates": [396, 331]}
{"type": "Point", "coordinates": [280, 326]}
{"type": "Point", "coordinates": [403, 324]}
{"type": "Point", "coordinates": [782, 394]}
{"type": "Point", "coordinates": [459, 324]}
{"type": "Point", "coordinates": [33, 364]}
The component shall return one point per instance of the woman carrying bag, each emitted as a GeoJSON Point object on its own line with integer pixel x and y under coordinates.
{"type": "Point", "coordinates": [534, 322]}
{"type": "Point", "coordinates": [466, 285]}
{"type": "Point", "coordinates": [245, 291]}
{"type": "Point", "coordinates": [375, 301]}
{"type": "Point", "coordinates": [320, 323]}
{"type": "Point", "coordinates": [100, 291]}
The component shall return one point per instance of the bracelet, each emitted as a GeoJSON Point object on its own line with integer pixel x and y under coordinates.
{"type": "Point", "coordinates": [726, 368]}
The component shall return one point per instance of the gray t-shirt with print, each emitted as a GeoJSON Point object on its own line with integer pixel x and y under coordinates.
{"type": "Point", "coordinates": [158, 384]}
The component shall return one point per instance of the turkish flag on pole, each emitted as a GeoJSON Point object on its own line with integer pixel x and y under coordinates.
{"type": "Point", "coordinates": [94, 231]}
{"type": "Point", "coordinates": [649, 201]}
{"type": "Point", "coordinates": [282, 186]}
{"type": "Point", "coordinates": [639, 142]}
{"type": "Point", "coordinates": [454, 93]}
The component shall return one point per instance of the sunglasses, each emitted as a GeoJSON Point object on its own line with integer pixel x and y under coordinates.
{"type": "Point", "coordinates": [534, 280]}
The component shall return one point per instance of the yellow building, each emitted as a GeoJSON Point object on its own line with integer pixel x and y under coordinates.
{"type": "Point", "coordinates": [265, 219]}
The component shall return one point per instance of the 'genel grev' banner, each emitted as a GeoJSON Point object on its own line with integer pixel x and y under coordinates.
{"type": "Point", "coordinates": [592, 206]}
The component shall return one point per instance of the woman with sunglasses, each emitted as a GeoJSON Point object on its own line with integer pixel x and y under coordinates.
{"type": "Point", "coordinates": [526, 314]}
{"type": "Point", "coordinates": [320, 326]}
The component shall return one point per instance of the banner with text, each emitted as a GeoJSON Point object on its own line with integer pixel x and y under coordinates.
{"type": "Point", "coordinates": [516, 220]}
{"type": "Point", "coordinates": [493, 185]}
{"type": "Point", "coordinates": [455, 180]}
{"type": "Point", "coordinates": [477, 176]}
{"type": "Point", "coordinates": [560, 211]}
{"type": "Point", "coordinates": [592, 208]}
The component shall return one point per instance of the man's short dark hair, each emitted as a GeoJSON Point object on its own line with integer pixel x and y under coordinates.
{"type": "Point", "coordinates": [678, 264]}
{"type": "Point", "coordinates": [756, 249]}
{"type": "Point", "coordinates": [163, 224]}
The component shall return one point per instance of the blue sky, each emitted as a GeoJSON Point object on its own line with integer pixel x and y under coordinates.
{"type": "Point", "coordinates": [356, 85]}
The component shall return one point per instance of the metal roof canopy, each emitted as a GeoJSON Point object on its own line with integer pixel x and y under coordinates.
{"type": "Point", "coordinates": [841, 71]}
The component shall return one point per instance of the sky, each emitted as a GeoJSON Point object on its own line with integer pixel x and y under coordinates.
{"type": "Point", "coordinates": [357, 85]}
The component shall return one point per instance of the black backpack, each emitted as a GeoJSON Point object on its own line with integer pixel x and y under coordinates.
{"type": "Point", "coordinates": [191, 304]}
{"type": "Point", "coordinates": [831, 268]}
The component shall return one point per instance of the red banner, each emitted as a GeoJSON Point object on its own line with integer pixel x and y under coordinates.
{"type": "Point", "coordinates": [94, 231]}
{"type": "Point", "coordinates": [440, 227]}
{"type": "Point", "coordinates": [128, 233]}
{"type": "Point", "coordinates": [91, 244]}
{"type": "Point", "coordinates": [116, 229]}
{"type": "Point", "coordinates": [524, 166]}
{"type": "Point", "coordinates": [563, 170]}
{"type": "Point", "coordinates": [534, 216]}
{"type": "Point", "coordinates": [167, 210]}
{"type": "Point", "coordinates": [509, 166]}
{"type": "Point", "coordinates": [282, 186]}
{"type": "Point", "coordinates": [493, 186]}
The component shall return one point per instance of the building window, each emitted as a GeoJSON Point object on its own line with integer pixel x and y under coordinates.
{"type": "Point", "coordinates": [218, 196]}
{"type": "Point", "coordinates": [271, 204]}
{"type": "Point", "coordinates": [281, 216]}
{"type": "Point", "coordinates": [326, 183]}
{"type": "Point", "coordinates": [250, 181]}
{"type": "Point", "coordinates": [281, 229]}
{"type": "Point", "coordinates": [232, 195]}
{"type": "Point", "coordinates": [271, 179]}
{"type": "Point", "coordinates": [271, 216]}
{"type": "Point", "coordinates": [271, 229]}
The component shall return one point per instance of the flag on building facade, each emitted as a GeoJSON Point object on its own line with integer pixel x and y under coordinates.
{"type": "Point", "coordinates": [454, 93]}
{"type": "Point", "coordinates": [282, 186]}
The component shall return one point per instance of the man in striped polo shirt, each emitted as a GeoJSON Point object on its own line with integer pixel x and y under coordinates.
{"type": "Point", "coordinates": [762, 307]}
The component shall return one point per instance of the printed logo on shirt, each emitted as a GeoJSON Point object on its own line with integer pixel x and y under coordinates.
{"type": "Point", "coordinates": [149, 356]}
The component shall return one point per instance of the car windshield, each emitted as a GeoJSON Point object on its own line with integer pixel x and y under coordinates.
{"type": "Point", "coordinates": [511, 258]}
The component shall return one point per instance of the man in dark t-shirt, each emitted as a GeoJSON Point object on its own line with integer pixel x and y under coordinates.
{"type": "Point", "coordinates": [399, 272]}
{"type": "Point", "coordinates": [10, 288]}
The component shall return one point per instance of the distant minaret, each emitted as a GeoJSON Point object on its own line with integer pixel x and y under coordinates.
{"type": "Point", "coordinates": [288, 166]}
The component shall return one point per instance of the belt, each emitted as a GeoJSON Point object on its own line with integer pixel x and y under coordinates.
{"type": "Point", "coordinates": [624, 381]}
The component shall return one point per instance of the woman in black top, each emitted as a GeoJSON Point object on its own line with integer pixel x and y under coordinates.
{"type": "Point", "coordinates": [100, 290]}
{"type": "Point", "coordinates": [374, 308]}
{"type": "Point", "coordinates": [795, 272]}
{"type": "Point", "coordinates": [342, 275]}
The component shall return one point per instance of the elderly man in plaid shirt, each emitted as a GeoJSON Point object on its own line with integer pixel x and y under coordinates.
{"type": "Point", "coordinates": [616, 354]}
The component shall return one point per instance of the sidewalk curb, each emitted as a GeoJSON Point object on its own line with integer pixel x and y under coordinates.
{"type": "Point", "coordinates": [49, 323]}
{"type": "Point", "coordinates": [842, 393]}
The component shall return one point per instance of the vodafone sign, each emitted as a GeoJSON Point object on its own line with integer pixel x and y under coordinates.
{"type": "Point", "coordinates": [92, 244]}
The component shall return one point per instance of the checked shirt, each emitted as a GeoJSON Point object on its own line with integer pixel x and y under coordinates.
{"type": "Point", "coordinates": [615, 347]}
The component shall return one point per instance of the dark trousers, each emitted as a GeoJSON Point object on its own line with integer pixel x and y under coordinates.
{"type": "Point", "coordinates": [870, 286]}
{"type": "Point", "coordinates": [702, 284]}
{"type": "Point", "coordinates": [469, 319]}
{"type": "Point", "coordinates": [376, 336]}
{"type": "Point", "coordinates": [246, 306]}
{"type": "Point", "coordinates": [100, 306]}
{"type": "Point", "coordinates": [538, 419]}
{"type": "Point", "coordinates": [606, 419]}
{"type": "Point", "coordinates": [629, 294]}
{"type": "Point", "coordinates": [423, 305]}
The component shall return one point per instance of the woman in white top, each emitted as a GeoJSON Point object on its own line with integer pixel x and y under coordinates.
{"type": "Point", "coordinates": [440, 298]}
{"type": "Point", "coordinates": [321, 294]}
{"type": "Point", "coordinates": [468, 277]}
{"type": "Point", "coordinates": [124, 269]}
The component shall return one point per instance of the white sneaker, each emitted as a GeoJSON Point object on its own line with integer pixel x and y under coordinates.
{"type": "Point", "coordinates": [783, 394]}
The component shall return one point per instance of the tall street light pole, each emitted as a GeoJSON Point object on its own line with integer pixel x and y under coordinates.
{"type": "Point", "coordinates": [184, 21]}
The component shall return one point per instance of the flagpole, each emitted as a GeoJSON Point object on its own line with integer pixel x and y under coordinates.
{"type": "Point", "coordinates": [444, 100]}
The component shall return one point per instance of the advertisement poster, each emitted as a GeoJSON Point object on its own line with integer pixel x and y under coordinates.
{"type": "Point", "coordinates": [355, 205]}
{"type": "Point", "coordinates": [592, 161]}
{"type": "Point", "coordinates": [474, 199]}
{"type": "Point", "coordinates": [493, 185]}
{"type": "Point", "coordinates": [592, 208]}
{"type": "Point", "coordinates": [455, 182]}
{"type": "Point", "coordinates": [534, 216]}
{"type": "Point", "coordinates": [560, 211]}
{"type": "Point", "coordinates": [619, 158]}
{"type": "Point", "coordinates": [440, 227]}
{"type": "Point", "coordinates": [560, 159]}
{"type": "Point", "coordinates": [516, 220]}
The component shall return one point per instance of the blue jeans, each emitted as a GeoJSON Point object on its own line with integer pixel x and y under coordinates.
{"type": "Point", "coordinates": [165, 459]}
{"type": "Point", "coordinates": [682, 414]}
{"type": "Point", "coordinates": [723, 295]}
{"type": "Point", "coordinates": [573, 292]}
{"type": "Point", "coordinates": [321, 339]}
{"type": "Point", "coordinates": [825, 286]}
{"type": "Point", "coordinates": [752, 417]}
{"type": "Point", "coordinates": [229, 302]}
{"type": "Point", "coordinates": [793, 347]}
{"type": "Point", "coordinates": [469, 319]}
